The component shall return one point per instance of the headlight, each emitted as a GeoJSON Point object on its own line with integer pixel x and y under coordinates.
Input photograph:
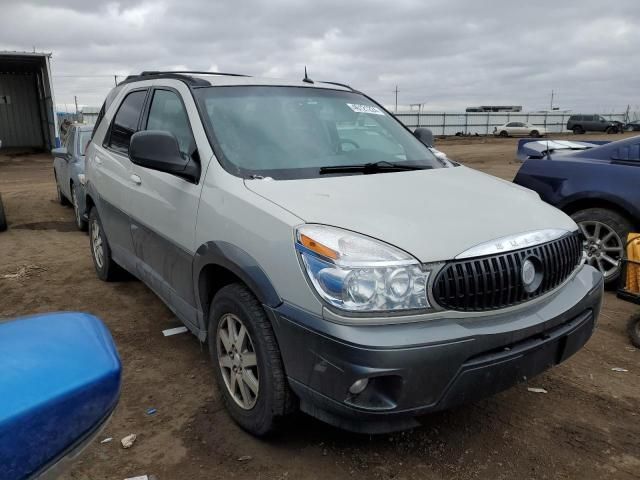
{"type": "Point", "coordinates": [357, 273]}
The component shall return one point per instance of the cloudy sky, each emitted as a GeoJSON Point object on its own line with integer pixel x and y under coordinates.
{"type": "Point", "coordinates": [447, 54]}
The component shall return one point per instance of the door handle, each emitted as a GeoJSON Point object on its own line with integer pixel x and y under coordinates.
{"type": "Point", "coordinates": [98, 160]}
{"type": "Point", "coordinates": [135, 179]}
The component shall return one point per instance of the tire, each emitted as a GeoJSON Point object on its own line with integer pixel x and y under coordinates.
{"type": "Point", "coordinates": [107, 269]}
{"type": "Point", "coordinates": [272, 400]}
{"type": "Point", "coordinates": [633, 329]}
{"type": "Point", "coordinates": [610, 130]}
{"type": "Point", "coordinates": [609, 221]}
{"type": "Point", "coordinates": [535, 133]}
{"type": "Point", "coordinates": [3, 218]}
{"type": "Point", "coordinates": [578, 130]}
{"type": "Point", "coordinates": [62, 200]}
{"type": "Point", "coordinates": [504, 133]}
{"type": "Point", "coordinates": [80, 222]}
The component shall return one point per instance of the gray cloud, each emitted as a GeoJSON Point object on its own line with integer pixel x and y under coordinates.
{"type": "Point", "coordinates": [447, 54]}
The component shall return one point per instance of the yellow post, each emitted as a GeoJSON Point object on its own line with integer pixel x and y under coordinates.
{"type": "Point", "coordinates": [633, 269]}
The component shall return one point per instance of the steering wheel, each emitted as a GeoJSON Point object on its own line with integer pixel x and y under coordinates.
{"type": "Point", "coordinates": [346, 141]}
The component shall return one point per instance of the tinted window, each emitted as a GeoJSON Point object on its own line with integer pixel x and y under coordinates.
{"type": "Point", "coordinates": [628, 153]}
{"type": "Point", "coordinates": [125, 122]}
{"type": "Point", "coordinates": [98, 120]}
{"type": "Point", "coordinates": [167, 113]}
{"type": "Point", "coordinates": [512, 124]}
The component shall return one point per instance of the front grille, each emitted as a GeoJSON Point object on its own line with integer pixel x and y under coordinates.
{"type": "Point", "coordinates": [495, 281]}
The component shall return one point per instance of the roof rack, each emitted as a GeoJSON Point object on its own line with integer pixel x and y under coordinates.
{"type": "Point", "coordinates": [340, 85]}
{"type": "Point", "coordinates": [149, 75]}
{"type": "Point", "coordinates": [192, 72]}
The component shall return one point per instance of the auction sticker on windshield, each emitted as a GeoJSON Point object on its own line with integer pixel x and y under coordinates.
{"type": "Point", "coordinates": [365, 109]}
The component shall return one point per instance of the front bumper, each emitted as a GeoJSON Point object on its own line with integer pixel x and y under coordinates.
{"type": "Point", "coordinates": [416, 368]}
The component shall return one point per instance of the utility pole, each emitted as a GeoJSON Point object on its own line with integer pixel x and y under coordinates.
{"type": "Point", "coordinates": [75, 99]}
{"type": "Point", "coordinates": [551, 106]}
{"type": "Point", "coordinates": [396, 110]}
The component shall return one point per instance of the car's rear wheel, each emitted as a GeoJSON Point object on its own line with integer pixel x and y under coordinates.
{"type": "Point", "coordinates": [504, 133]}
{"type": "Point", "coordinates": [578, 130]}
{"type": "Point", "coordinates": [80, 222]}
{"type": "Point", "coordinates": [247, 362]}
{"type": "Point", "coordinates": [633, 329]}
{"type": "Point", "coordinates": [106, 268]}
{"type": "Point", "coordinates": [535, 133]}
{"type": "Point", "coordinates": [3, 218]}
{"type": "Point", "coordinates": [604, 240]}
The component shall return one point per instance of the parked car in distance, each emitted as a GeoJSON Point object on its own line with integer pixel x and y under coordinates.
{"type": "Point", "coordinates": [516, 129]}
{"type": "Point", "coordinates": [334, 265]}
{"type": "Point", "coordinates": [598, 187]}
{"type": "Point", "coordinates": [633, 126]}
{"type": "Point", "coordinates": [60, 383]}
{"type": "Point", "coordinates": [68, 169]}
{"type": "Point", "coordinates": [592, 123]}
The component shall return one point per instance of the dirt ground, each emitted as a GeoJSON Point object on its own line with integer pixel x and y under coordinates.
{"type": "Point", "coordinates": [586, 426]}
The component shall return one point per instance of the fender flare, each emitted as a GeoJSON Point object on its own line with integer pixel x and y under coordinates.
{"type": "Point", "coordinates": [238, 262]}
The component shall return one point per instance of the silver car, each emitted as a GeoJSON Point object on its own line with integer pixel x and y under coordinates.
{"type": "Point", "coordinates": [333, 264]}
{"type": "Point", "coordinates": [68, 170]}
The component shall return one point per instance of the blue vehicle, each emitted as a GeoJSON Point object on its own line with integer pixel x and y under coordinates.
{"type": "Point", "coordinates": [60, 383]}
{"type": "Point", "coordinates": [597, 184]}
{"type": "Point", "coordinates": [68, 166]}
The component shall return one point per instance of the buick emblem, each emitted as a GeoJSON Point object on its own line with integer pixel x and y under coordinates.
{"type": "Point", "coordinates": [531, 274]}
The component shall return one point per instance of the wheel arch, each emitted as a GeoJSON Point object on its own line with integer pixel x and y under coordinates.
{"type": "Point", "coordinates": [583, 203]}
{"type": "Point", "coordinates": [217, 264]}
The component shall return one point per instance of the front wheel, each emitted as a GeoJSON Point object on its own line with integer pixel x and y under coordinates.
{"type": "Point", "coordinates": [633, 329]}
{"type": "Point", "coordinates": [80, 222]}
{"type": "Point", "coordinates": [247, 362]}
{"type": "Point", "coordinates": [604, 240]}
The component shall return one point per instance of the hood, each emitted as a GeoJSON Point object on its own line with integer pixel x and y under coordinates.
{"type": "Point", "coordinates": [432, 214]}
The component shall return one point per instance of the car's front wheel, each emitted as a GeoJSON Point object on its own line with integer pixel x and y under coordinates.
{"type": "Point", "coordinates": [604, 240]}
{"type": "Point", "coordinates": [80, 222]}
{"type": "Point", "coordinates": [247, 362]}
{"type": "Point", "coordinates": [106, 268]}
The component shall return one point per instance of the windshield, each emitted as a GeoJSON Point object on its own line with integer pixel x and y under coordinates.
{"type": "Point", "coordinates": [85, 137]}
{"type": "Point", "coordinates": [292, 132]}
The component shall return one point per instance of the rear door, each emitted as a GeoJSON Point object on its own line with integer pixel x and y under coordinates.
{"type": "Point", "coordinates": [165, 206]}
{"type": "Point", "coordinates": [112, 176]}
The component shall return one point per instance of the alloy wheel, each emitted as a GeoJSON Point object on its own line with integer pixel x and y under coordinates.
{"type": "Point", "coordinates": [237, 360]}
{"type": "Point", "coordinates": [602, 247]}
{"type": "Point", "coordinates": [96, 244]}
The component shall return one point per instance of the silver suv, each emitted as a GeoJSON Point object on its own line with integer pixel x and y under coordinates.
{"type": "Point", "coordinates": [331, 261]}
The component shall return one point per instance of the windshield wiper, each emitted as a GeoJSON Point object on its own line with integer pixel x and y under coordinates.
{"type": "Point", "coordinates": [382, 166]}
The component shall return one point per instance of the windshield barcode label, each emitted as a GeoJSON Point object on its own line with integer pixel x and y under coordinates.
{"type": "Point", "coordinates": [365, 109]}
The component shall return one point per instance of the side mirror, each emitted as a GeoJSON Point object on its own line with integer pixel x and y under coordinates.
{"type": "Point", "coordinates": [424, 135]}
{"type": "Point", "coordinates": [159, 150]}
{"type": "Point", "coordinates": [60, 152]}
{"type": "Point", "coordinates": [60, 383]}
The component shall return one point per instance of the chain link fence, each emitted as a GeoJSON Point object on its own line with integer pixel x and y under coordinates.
{"type": "Point", "coordinates": [483, 123]}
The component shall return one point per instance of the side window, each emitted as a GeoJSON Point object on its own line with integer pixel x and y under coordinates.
{"type": "Point", "coordinates": [628, 153]}
{"type": "Point", "coordinates": [125, 123]}
{"type": "Point", "coordinates": [98, 120]}
{"type": "Point", "coordinates": [512, 124]}
{"type": "Point", "coordinates": [167, 113]}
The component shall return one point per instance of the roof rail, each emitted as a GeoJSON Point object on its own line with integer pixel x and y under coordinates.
{"type": "Point", "coordinates": [340, 85]}
{"type": "Point", "coordinates": [192, 72]}
{"type": "Point", "coordinates": [171, 75]}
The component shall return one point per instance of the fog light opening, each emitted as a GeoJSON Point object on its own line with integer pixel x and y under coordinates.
{"type": "Point", "coordinates": [359, 386]}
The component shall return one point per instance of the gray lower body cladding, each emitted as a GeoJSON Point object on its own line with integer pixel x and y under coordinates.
{"type": "Point", "coordinates": [471, 358]}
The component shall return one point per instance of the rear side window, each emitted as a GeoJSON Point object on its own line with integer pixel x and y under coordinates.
{"type": "Point", "coordinates": [167, 113]}
{"type": "Point", "coordinates": [125, 123]}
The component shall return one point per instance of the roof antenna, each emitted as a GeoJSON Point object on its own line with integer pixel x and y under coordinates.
{"type": "Point", "coordinates": [306, 79]}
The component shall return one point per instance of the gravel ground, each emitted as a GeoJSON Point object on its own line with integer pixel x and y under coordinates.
{"type": "Point", "coordinates": [586, 426]}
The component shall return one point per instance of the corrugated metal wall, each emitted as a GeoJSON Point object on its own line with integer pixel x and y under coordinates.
{"type": "Point", "coordinates": [20, 113]}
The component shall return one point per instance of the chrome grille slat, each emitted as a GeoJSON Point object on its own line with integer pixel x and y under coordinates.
{"type": "Point", "coordinates": [494, 281]}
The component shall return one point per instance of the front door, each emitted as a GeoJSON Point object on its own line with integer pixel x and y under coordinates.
{"type": "Point", "coordinates": [164, 206]}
